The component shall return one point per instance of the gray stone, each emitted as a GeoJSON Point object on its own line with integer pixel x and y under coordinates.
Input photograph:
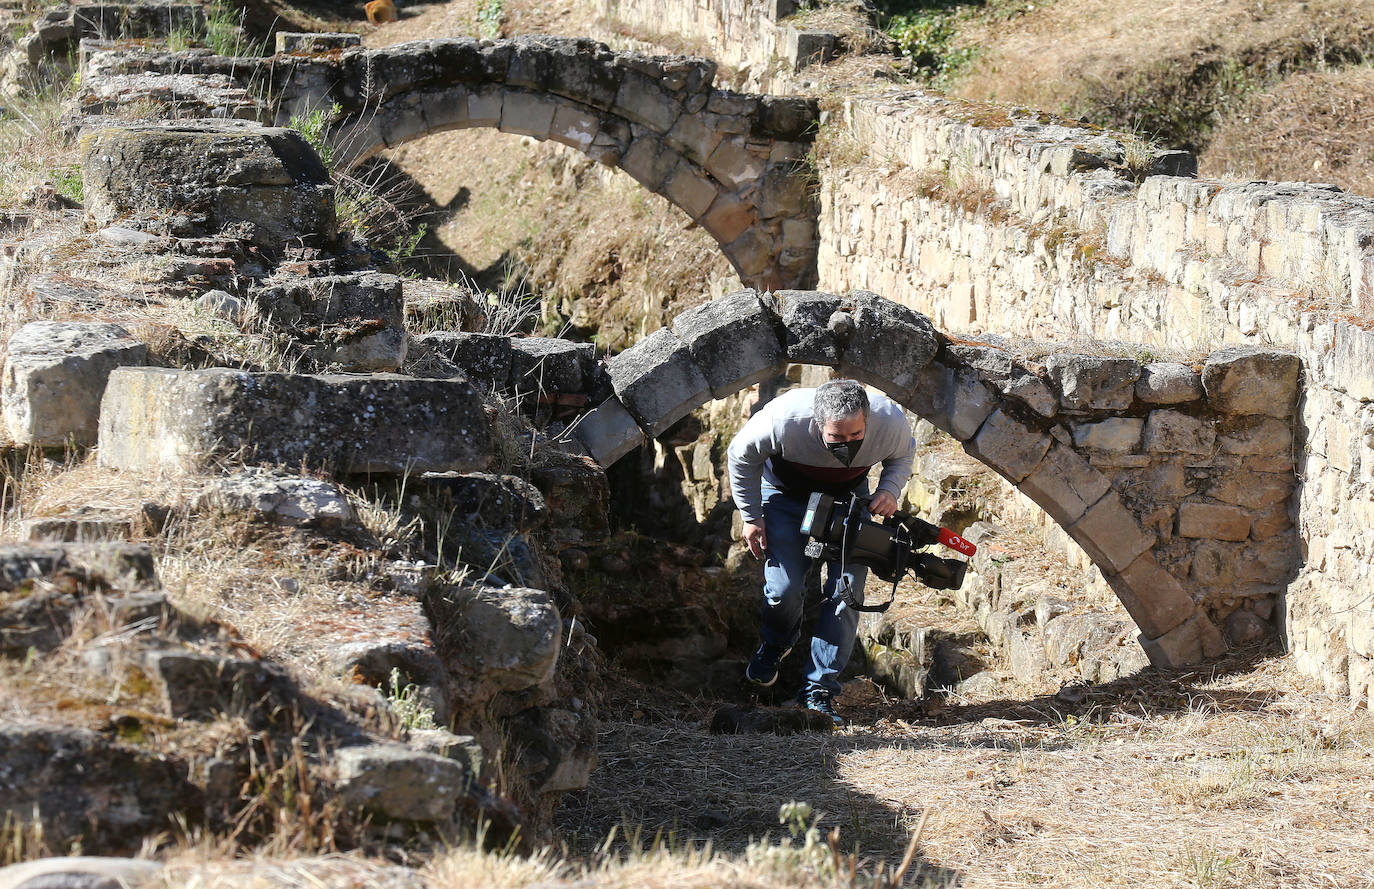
{"type": "Point", "coordinates": [1215, 520]}
{"type": "Point", "coordinates": [1248, 380]}
{"type": "Point", "coordinates": [558, 748]}
{"type": "Point", "coordinates": [203, 686]}
{"type": "Point", "coordinates": [354, 321]}
{"type": "Point", "coordinates": [465, 749]}
{"type": "Point", "coordinates": [55, 375]}
{"type": "Point", "coordinates": [81, 526]}
{"type": "Point", "coordinates": [1110, 535]}
{"type": "Point", "coordinates": [485, 358]}
{"type": "Point", "coordinates": [1064, 485]}
{"type": "Point", "coordinates": [550, 366]}
{"type": "Point", "coordinates": [890, 344]}
{"type": "Point", "coordinates": [262, 183]}
{"type": "Point", "coordinates": [1008, 447]}
{"type": "Point", "coordinates": [807, 335]}
{"type": "Point", "coordinates": [222, 305]}
{"type": "Point", "coordinates": [658, 382]}
{"type": "Point", "coordinates": [1244, 627]}
{"type": "Point", "coordinates": [281, 499]}
{"type": "Point", "coordinates": [1115, 435]}
{"type": "Point", "coordinates": [734, 340]}
{"type": "Point", "coordinates": [495, 640]}
{"type": "Point", "coordinates": [100, 793]}
{"type": "Point", "coordinates": [1256, 436]}
{"type": "Point", "coordinates": [481, 498]}
{"type": "Point", "coordinates": [1000, 368]}
{"type": "Point", "coordinates": [609, 432]}
{"type": "Point", "coordinates": [1172, 432]}
{"type": "Point", "coordinates": [1165, 383]}
{"type": "Point", "coordinates": [80, 872]}
{"type": "Point", "coordinates": [1091, 382]}
{"type": "Point", "coordinates": [309, 42]}
{"type": "Point", "coordinates": [155, 418]}
{"type": "Point", "coordinates": [396, 782]}
{"type": "Point", "coordinates": [1188, 643]}
{"type": "Point", "coordinates": [968, 402]}
{"type": "Point", "coordinates": [133, 239]}
{"type": "Point", "coordinates": [123, 566]}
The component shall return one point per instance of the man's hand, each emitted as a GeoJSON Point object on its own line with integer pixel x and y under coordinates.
{"type": "Point", "coordinates": [883, 504]}
{"type": "Point", "coordinates": [755, 539]}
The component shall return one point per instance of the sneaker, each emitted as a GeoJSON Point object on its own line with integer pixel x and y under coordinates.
{"type": "Point", "coordinates": [763, 669]}
{"type": "Point", "coordinates": [818, 701]}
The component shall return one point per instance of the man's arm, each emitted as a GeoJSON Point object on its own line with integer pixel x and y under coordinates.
{"type": "Point", "coordinates": [750, 447]}
{"type": "Point", "coordinates": [897, 467]}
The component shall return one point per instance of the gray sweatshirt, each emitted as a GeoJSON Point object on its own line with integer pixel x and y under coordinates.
{"type": "Point", "coordinates": [785, 427]}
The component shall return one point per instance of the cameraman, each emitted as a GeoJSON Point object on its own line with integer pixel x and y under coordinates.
{"type": "Point", "coordinates": [807, 440]}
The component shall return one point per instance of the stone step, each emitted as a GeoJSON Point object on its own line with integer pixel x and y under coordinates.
{"type": "Point", "coordinates": [385, 424]}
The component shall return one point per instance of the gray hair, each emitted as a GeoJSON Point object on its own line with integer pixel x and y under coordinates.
{"type": "Point", "coordinates": [839, 400]}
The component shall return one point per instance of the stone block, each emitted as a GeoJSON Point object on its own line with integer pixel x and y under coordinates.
{"type": "Point", "coordinates": [609, 432]}
{"type": "Point", "coordinates": [1154, 598]}
{"type": "Point", "coordinates": [1244, 627]}
{"type": "Point", "coordinates": [649, 162]}
{"type": "Point", "coordinates": [263, 183]}
{"type": "Point", "coordinates": [1064, 485]}
{"type": "Point", "coordinates": [162, 419]}
{"type": "Point", "coordinates": [122, 566]}
{"type": "Point", "coordinates": [889, 345]}
{"type": "Point", "coordinates": [658, 382]}
{"type": "Point", "coordinates": [805, 319]}
{"type": "Point", "coordinates": [1110, 535]}
{"type": "Point", "coordinates": [307, 42]}
{"type": "Point", "coordinates": [484, 106]}
{"type": "Point", "coordinates": [734, 339]}
{"type": "Point", "coordinates": [1180, 647]}
{"type": "Point", "coordinates": [280, 499]}
{"type": "Point", "coordinates": [81, 872]}
{"type": "Point", "coordinates": [400, 783]}
{"type": "Point", "coordinates": [1116, 435]}
{"type": "Point", "coordinates": [1214, 520]}
{"type": "Point", "coordinates": [574, 127]}
{"type": "Point", "coordinates": [527, 114]}
{"type": "Point", "coordinates": [549, 365]}
{"type": "Point", "coordinates": [1167, 383]}
{"type": "Point", "coordinates": [203, 686]}
{"type": "Point", "coordinates": [644, 101]}
{"type": "Point", "coordinates": [689, 189]}
{"type": "Point", "coordinates": [54, 377]}
{"type": "Point", "coordinates": [968, 402]}
{"type": "Point", "coordinates": [1168, 432]}
{"type": "Point", "coordinates": [734, 164]}
{"type": "Point", "coordinates": [482, 498]}
{"type": "Point", "coordinates": [484, 357]}
{"type": "Point", "coordinates": [1008, 447]}
{"type": "Point", "coordinates": [445, 109]}
{"type": "Point", "coordinates": [1091, 382]}
{"type": "Point", "coordinates": [1254, 436]}
{"type": "Point", "coordinates": [728, 218]}
{"type": "Point", "coordinates": [1248, 380]}
{"type": "Point", "coordinates": [520, 633]}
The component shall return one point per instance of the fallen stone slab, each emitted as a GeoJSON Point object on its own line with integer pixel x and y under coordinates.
{"type": "Point", "coordinates": [400, 783]}
{"type": "Point", "coordinates": [80, 872]}
{"type": "Point", "coordinates": [124, 566]}
{"type": "Point", "coordinates": [485, 358]}
{"type": "Point", "coordinates": [162, 419]}
{"type": "Point", "coordinates": [82, 526]}
{"type": "Point", "coordinates": [54, 377]}
{"type": "Point", "coordinates": [204, 686]}
{"type": "Point", "coordinates": [353, 323]}
{"type": "Point", "coordinates": [281, 499]}
{"type": "Point", "coordinates": [263, 184]}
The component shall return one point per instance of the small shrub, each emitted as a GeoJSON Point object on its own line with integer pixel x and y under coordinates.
{"type": "Point", "coordinates": [490, 15]}
{"type": "Point", "coordinates": [405, 703]}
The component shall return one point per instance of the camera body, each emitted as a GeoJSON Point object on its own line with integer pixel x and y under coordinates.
{"type": "Point", "coordinates": [840, 531]}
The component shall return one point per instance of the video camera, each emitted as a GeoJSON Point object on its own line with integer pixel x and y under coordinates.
{"type": "Point", "coordinates": [840, 532]}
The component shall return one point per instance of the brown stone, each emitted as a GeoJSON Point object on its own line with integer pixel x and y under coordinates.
{"type": "Point", "coordinates": [1216, 521]}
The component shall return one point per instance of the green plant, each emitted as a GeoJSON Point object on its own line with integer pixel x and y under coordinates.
{"type": "Point", "coordinates": [490, 15]}
{"type": "Point", "coordinates": [404, 701]}
{"type": "Point", "coordinates": [224, 32]}
{"type": "Point", "coordinates": [69, 184]}
{"type": "Point", "coordinates": [925, 36]}
{"type": "Point", "coordinates": [314, 127]}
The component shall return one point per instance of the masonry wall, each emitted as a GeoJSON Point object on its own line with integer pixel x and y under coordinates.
{"type": "Point", "coordinates": [1024, 227]}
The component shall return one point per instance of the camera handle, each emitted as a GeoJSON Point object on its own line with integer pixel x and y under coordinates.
{"type": "Point", "coordinates": [843, 589]}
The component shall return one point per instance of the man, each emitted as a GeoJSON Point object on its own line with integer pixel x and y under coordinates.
{"type": "Point", "coordinates": [807, 440]}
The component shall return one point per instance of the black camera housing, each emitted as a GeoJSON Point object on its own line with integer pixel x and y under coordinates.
{"type": "Point", "coordinates": [840, 531]}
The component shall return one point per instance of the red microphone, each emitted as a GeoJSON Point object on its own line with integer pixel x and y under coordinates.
{"type": "Point", "coordinates": [956, 543]}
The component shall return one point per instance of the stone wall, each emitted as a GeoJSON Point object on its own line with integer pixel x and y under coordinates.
{"type": "Point", "coordinates": [989, 220]}
{"type": "Point", "coordinates": [751, 36]}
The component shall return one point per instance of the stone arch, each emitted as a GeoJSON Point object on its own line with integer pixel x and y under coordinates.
{"type": "Point", "coordinates": [734, 163]}
{"type": "Point", "coordinates": [729, 343]}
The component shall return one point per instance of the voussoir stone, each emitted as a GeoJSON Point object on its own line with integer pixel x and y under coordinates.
{"type": "Point", "coordinates": [733, 339]}
{"type": "Point", "coordinates": [1248, 380]}
{"type": "Point", "coordinates": [54, 377]}
{"type": "Point", "coordinates": [807, 335]}
{"type": "Point", "coordinates": [1168, 383]}
{"type": "Point", "coordinates": [1092, 382]}
{"type": "Point", "coordinates": [1064, 485]}
{"type": "Point", "coordinates": [658, 382]}
{"type": "Point", "coordinates": [890, 344]}
{"type": "Point", "coordinates": [609, 432]}
{"type": "Point", "coordinates": [1009, 447]}
{"type": "Point", "coordinates": [157, 418]}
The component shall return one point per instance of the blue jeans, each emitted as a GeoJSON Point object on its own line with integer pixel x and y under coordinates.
{"type": "Point", "coordinates": [784, 593]}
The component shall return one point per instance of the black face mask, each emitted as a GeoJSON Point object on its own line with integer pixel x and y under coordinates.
{"type": "Point", "coordinates": [845, 451]}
